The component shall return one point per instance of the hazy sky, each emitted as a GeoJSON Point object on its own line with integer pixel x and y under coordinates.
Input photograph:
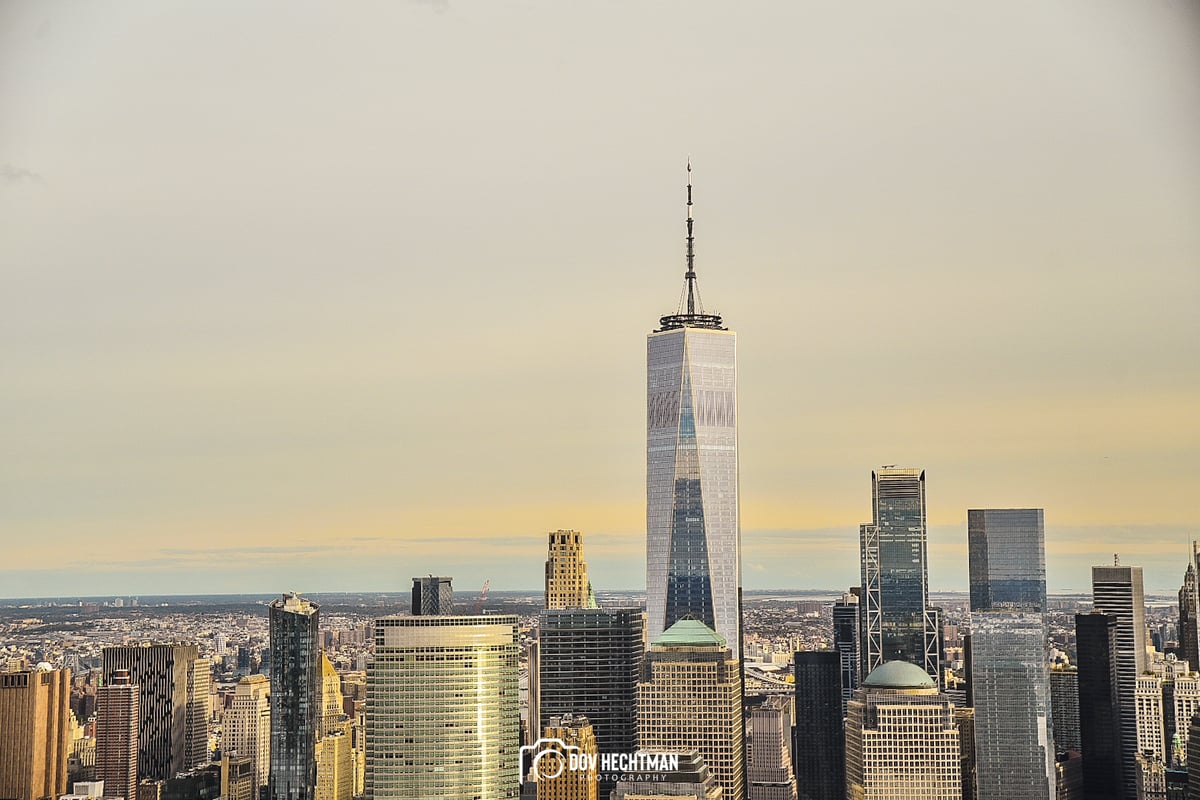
{"type": "Point", "coordinates": [326, 295]}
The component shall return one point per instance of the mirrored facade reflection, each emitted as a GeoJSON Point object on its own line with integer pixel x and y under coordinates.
{"type": "Point", "coordinates": [1007, 559]}
{"type": "Point", "coordinates": [693, 566]}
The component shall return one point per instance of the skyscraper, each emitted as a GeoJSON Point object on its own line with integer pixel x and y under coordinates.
{"type": "Point", "coordinates": [567, 584]}
{"type": "Point", "coordinates": [117, 735]}
{"type": "Point", "coordinates": [898, 624]}
{"type": "Point", "coordinates": [172, 705]}
{"type": "Point", "coordinates": [690, 698]}
{"type": "Point", "coordinates": [1099, 715]}
{"type": "Point", "coordinates": [1014, 749]}
{"type": "Point", "coordinates": [34, 733]}
{"type": "Point", "coordinates": [769, 771]}
{"type": "Point", "coordinates": [818, 749]}
{"type": "Point", "coordinates": [1009, 668]}
{"type": "Point", "coordinates": [1064, 705]}
{"type": "Point", "coordinates": [692, 781]}
{"type": "Point", "coordinates": [847, 635]}
{"type": "Point", "coordinates": [590, 663]}
{"type": "Point", "coordinates": [432, 595]}
{"type": "Point", "coordinates": [567, 784]}
{"type": "Point", "coordinates": [246, 725]}
{"type": "Point", "coordinates": [1007, 559]}
{"type": "Point", "coordinates": [1117, 592]}
{"type": "Point", "coordinates": [443, 709]}
{"type": "Point", "coordinates": [902, 742]}
{"type": "Point", "coordinates": [693, 565]}
{"type": "Point", "coordinates": [295, 698]}
{"type": "Point", "coordinates": [331, 696]}
{"type": "Point", "coordinates": [1189, 613]}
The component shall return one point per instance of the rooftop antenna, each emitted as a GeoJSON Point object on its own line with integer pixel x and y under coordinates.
{"type": "Point", "coordinates": [690, 275]}
{"type": "Point", "coordinates": [1116, 560]}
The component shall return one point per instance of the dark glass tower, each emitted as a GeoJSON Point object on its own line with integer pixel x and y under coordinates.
{"type": "Point", "coordinates": [1099, 720]}
{"type": "Point", "coordinates": [898, 624]}
{"type": "Point", "coordinates": [818, 745]}
{"type": "Point", "coordinates": [846, 637]}
{"type": "Point", "coordinates": [1007, 559]}
{"type": "Point", "coordinates": [590, 663]}
{"type": "Point", "coordinates": [295, 698]}
{"type": "Point", "coordinates": [432, 596]}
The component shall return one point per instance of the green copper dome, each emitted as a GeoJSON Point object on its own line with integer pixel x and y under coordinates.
{"type": "Point", "coordinates": [690, 633]}
{"type": "Point", "coordinates": [899, 675]}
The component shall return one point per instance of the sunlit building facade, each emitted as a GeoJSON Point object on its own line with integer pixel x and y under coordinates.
{"type": "Point", "coordinates": [567, 584]}
{"type": "Point", "coordinates": [35, 715]}
{"type": "Point", "coordinates": [246, 725]}
{"type": "Point", "coordinates": [443, 709]}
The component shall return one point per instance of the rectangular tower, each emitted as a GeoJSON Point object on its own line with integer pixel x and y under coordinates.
{"type": "Point", "coordinates": [1099, 717]}
{"type": "Point", "coordinates": [432, 595]}
{"type": "Point", "coordinates": [898, 624]}
{"type": "Point", "coordinates": [443, 708]}
{"type": "Point", "coordinates": [1117, 592]}
{"type": "Point", "coordinates": [818, 752]}
{"type": "Point", "coordinates": [1006, 550]}
{"type": "Point", "coordinates": [117, 735]}
{"type": "Point", "coordinates": [171, 739]}
{"type": "Point", "coordinates": [769, 765]}
{"type": "Point", "coordinates": [847, 636]}
{"type": "Point", "coordinates": [295, 698]}
{"type": "Point", "coordinates": [567, 584]}
{"type": "Point", "coordinates": [693, 538]}
{"type": "Point", "coordinates": [246, 725]}
{"type": "Point", "coordinates": [34, 733]}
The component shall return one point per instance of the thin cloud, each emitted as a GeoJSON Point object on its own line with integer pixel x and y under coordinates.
{"type": "Point", "coordinates": [10, 173]}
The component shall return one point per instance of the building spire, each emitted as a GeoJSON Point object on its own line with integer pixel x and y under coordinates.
{"type": "Point", "coordinates": [690, 275]}
{"type": "Point", "coordinates": [690, 312]}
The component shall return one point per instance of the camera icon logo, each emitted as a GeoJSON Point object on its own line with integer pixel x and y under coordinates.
{"type": "Point", "coordinates": [549, 759]}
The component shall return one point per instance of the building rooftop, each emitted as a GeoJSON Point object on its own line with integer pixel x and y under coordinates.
{"type": "Point", "coordinates": [690, 633]}
{"type": "Point", "coordinates": [899, 675]}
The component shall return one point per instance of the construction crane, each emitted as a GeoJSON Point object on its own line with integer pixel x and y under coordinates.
{"type": "Point", "coordinates": [483, 596]}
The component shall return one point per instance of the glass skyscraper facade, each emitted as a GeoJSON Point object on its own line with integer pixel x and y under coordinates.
{"type": "Point", "coordinates": [295, 698]}
{"type": "Point", "coordinates": [1007, 559]}
{"type": "Point", "coordinates": [443, 709]}
{"type": "Point", "coordinates": [898, 624]}
{"type": "Point", "coordinates": [1117, 592]}
{"type": "Point", "coordinates": [693, 565]}
{"type": "Point", "coordinates": [1010, 682]}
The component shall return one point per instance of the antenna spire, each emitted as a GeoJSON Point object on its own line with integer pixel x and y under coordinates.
{"type": "Point", "coordinates": [690, 275]}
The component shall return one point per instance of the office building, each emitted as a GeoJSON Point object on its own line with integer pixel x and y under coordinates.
{"type": "Point", "coordinates": [295, 698]}
{"type": "Point", "coordinates": [1064, 708]}
{"type": "Point", "coordinates": [246, 725]}
{"type": "Point", "coordinates": [331, 696]}
{"type": "Point", "coordinates": [964, 718]}
{"type": "Point", "coordinates": [769, 766]}
{"type": "Point", "coordinates": [847, 635]}
{"type": "Point", "coordinates": [335, 763]}
{"type": "Point", "coordinates": [173, 705]}
{"type": "Point", "coordinates": [693, 563]}
{"type": "Point", "coordinates": [1007, 559]}
{"type": "Point", "coordinates": [432, 596]}
{"type": "Point", "coordinates": [35, 719]}
{"type": "Point", "coordinates": [1189, 612]}
{"type": "Point", "coordinates": [590, 662]}
{"type": "Point", "coordinates": [690, 698]}
{"type": "Point", "coordinates": [464, 667]}
{"type": "Point", "coordinates": [567, 584]}
{"type": "Point", "coordinates": [555, 779]}
{"type": "Point", "coordinates": [238, 779]}
{"type": "Point", "coordinates": [692, 781]}
{"type": "Point", "coordinates": [818, 752]}
{"type": "Point", "coordinates": [117, 734]}
{"type": "Point", "coordinates": [902, 742]}
{"type": "Point", "coordinates": [1117, 592]}
{"type": "Point", "coordinates": [898, 624]}
{"type": "Point", "coordinates": [1099, 716]}
{"type": "Point", "coordinates": [1014, 749]}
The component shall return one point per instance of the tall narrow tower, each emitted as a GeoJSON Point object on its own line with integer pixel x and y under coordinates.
{"type": "Point", "coordinates": [567, 584]}
{"type": "Point", "coordinates": [1117, 592]}
{"type": "Point", "coordinates": [117, 735]}
{"type": "Point", "coordinates": [693, 536]}
{"type": "Point", "coordinates": [295, 698]}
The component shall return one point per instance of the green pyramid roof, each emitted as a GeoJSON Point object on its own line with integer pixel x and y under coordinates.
{"type": "Point", "coordinates": [690, 633]}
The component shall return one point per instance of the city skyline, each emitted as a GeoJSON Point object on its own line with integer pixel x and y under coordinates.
{"type": "Point", "coordinates": [198, 403]}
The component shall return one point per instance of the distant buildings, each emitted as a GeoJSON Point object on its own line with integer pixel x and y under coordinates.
{"type": "Point", "coordinates": [173, 705]}
{"type": "Point", "coordinates": [898, 624]}
{"type": "Point", "coordinates": [295, 698]}
{"type": "Point", "coordinates": [449, 685]}
{"type": "Point", "coordinates": [117, 735]}
{"type": "Point", "coordinates": [690, 698]}
{"type": "Point", "coordinates": [902, 742]}
{"type": "Point", "coordinates": [34, 733]}
{"type": "Point", "coordinates": [818, 751]}
{"type": "Point", "coordinates": [693, 566]}
{"type": "Point", "coordinates": [432, 595]}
